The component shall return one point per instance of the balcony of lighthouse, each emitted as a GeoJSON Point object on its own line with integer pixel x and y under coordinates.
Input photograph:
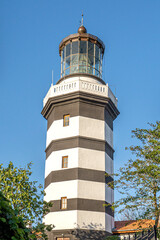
{"type": "Point", "coordinates": [82, 84]}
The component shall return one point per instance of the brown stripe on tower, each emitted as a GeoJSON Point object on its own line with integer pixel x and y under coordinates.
{"type": "Point", "coordinates": [93, 99]}
{"type": "Point", "coordinates": [79, 174]}
{"type": "Point", "coordinates": [82, 108]}
{"type": "Point", "coordinates": [81, 142]}
{"type": "Point", "coordinates": [84, 205]}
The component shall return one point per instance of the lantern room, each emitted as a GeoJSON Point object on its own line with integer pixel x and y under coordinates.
{"type": "Point", "coordinates": [81, 53]}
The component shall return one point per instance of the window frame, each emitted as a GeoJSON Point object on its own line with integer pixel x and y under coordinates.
{"type": "Point", "coordinates": [64, 162]}
{"type": "Point", "coordinates": [63, 205]}
{"type": "Point", "coordinates": [64, 121]}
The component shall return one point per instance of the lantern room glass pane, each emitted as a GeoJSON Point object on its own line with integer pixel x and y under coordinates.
{"type": "Point", "coordinates": [90, 70]}
{"type": "Point", "coordinates": [67, 71]}
{"type": "Point", "coordinates": [97, 52]}
{"type": "Point", "coordinates": [74, 69]}
{"type": "Point", "coordinates": [64, 52]}
{"type": "Point", "coordinates": [67, 62]}
{"type": "Point", "coordinates": [90, 48]}
{"type": "Point", "coordinates": [90, 60]}
{"type": "Point", "coordinates": [74, 47]}
{"type": "Point", "coordinates": [97, 64]}
{"type": "Point", "coordinates": [68, 48]}
{"type": "Point", "coordinates": [82, 59]}
{"type": "Point", "coordinates": [74, 59]}
{"type": "Point", "coordinates": [96, 73]}
{"type": "Point", "coordinates": [83, 47]}
{"type": "Point", "coordinates": [82, 69]}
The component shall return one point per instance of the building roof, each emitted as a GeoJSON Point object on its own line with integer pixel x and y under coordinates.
{"type": "Point", "coordinates": [132, 226]}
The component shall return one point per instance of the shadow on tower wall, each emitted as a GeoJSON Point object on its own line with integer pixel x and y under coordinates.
{"type": "Point", "coordinates": [85, 232]}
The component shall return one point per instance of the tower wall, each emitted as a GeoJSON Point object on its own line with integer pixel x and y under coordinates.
{"type": "Point", "coordinates": [88, 143]}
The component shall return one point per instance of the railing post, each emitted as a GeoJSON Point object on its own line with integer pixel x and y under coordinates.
{"type": "Point", "coordinates": [155, 232]}
{"type": "Point", "coordinates": [135, 236]}
{"type": "Point", "coordinates": [148, 233]}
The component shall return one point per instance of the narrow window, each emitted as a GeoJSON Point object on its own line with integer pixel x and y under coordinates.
{"type": "Point", "coordinates": [65, 162]}
{"type": "Point", "coordinates": [64, 203]}
{"type": "Point", "coordinates": [66, 120]}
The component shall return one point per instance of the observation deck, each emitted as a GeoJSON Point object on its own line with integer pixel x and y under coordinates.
{"type": "Point", "coordinates": [83, 84]}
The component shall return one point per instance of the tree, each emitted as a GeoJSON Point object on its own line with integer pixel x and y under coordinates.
{"type": "Point", "coordinates": [12, 226]}
{"type": "Point", "coordinates": [130, 214]}
{"type": "Point", "coordinates": [25, 197]}
{"type": "Point", "coordinates": [139, 180]}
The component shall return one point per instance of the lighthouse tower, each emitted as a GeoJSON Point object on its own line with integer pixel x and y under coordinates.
{"type": "Point", "coordinates": [80, 110]}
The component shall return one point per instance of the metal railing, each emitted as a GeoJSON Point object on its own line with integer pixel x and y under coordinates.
{"type": "Point", "coordinates": [80, 85]}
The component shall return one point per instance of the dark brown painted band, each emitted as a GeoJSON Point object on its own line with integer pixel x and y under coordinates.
{"type": "Point", "coordinates": [79, 234]}
{"type": "Point", "coordinates": [91, 98]}
{"type": "Point", "coordinates": [82, 142]}
{"type": "Point", "coordinates": [84, 205]}
{"type": "Point", "coordinates": [82, 108]}
{"type": "Point", "coordinates": [77, 174]}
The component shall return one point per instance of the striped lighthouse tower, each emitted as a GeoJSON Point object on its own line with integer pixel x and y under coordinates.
{"type": "Point", "coordinates": [80, 110]}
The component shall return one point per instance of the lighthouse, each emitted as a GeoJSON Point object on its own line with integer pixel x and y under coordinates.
{"type": "Point", "coordinates": [80, 109]}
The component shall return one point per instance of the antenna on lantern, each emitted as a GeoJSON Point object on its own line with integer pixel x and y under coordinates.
{"type": "Point", "coordinates": [52, 78]}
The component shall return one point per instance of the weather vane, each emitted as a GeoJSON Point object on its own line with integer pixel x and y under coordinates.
{"type": "Point", "coordinates": [82, 19]}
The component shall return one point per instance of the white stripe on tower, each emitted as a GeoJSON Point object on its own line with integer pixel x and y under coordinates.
{"type": "Point", "coordinates": [79, 157]}
{"type": "Point", "coordinates": [83, 126]}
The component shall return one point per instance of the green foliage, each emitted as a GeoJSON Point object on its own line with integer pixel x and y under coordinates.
{"type": "Point", "coordinates": [113, 237]}
{"type": "Point", "coordinates": [11, 225]}
{"type": "Point", "coordinates": [139, 179]}
{"type": "Point", "coordinates": [25, 196]}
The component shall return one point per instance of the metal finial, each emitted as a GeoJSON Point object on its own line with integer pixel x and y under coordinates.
{"type": "Point", "coordinates": [82, 19]}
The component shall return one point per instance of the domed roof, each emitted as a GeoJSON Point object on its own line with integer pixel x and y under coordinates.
{"type": "Point", "coordinates": [82, 29]}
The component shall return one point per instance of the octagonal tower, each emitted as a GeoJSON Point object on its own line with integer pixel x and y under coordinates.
{"type": "Point", "coordinates": [80, 110]}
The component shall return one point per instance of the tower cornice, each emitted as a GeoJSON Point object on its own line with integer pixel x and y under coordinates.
{"type": "Point", "coordinates": [96, 99]}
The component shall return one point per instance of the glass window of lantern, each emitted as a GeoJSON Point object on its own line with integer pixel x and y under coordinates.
{"type": "Point", "coordinates": [90, 70]}
{"type": "Point", "coordinates": [74, 69]}
{"type": "Point", "coordinates": [97, 52]}
{"type": "Point", "coordinates": [67, 62]}
{"type": "Point", "coordinates": [82, 69]}
{"type": "Point", "coordinates": [83, 47]}
{"type": "Point", "coordinates": [64, 52]}
{"type": "Point", "coordinates": [90, 48]}
{"type": "Point", "coordinates": [74, 47]}
{"type": "Point", "coordinates": [74, 60]}
{"type": "Point", "coordinates": [90, 60]}
{"type": "Point", "coordinates": [96, 73]}
{"type": "Point", "coordinates": [68, 47]}
{"type": "Point", "coordinates": [67, 71]}
{"type": "Point", "coordinates": [82, 59]}
{"type": "Point", "coordinates": [97, 64]}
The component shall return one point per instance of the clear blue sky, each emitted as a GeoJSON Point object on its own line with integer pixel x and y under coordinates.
{"type": "Point", "coordinates": [30, 33]}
